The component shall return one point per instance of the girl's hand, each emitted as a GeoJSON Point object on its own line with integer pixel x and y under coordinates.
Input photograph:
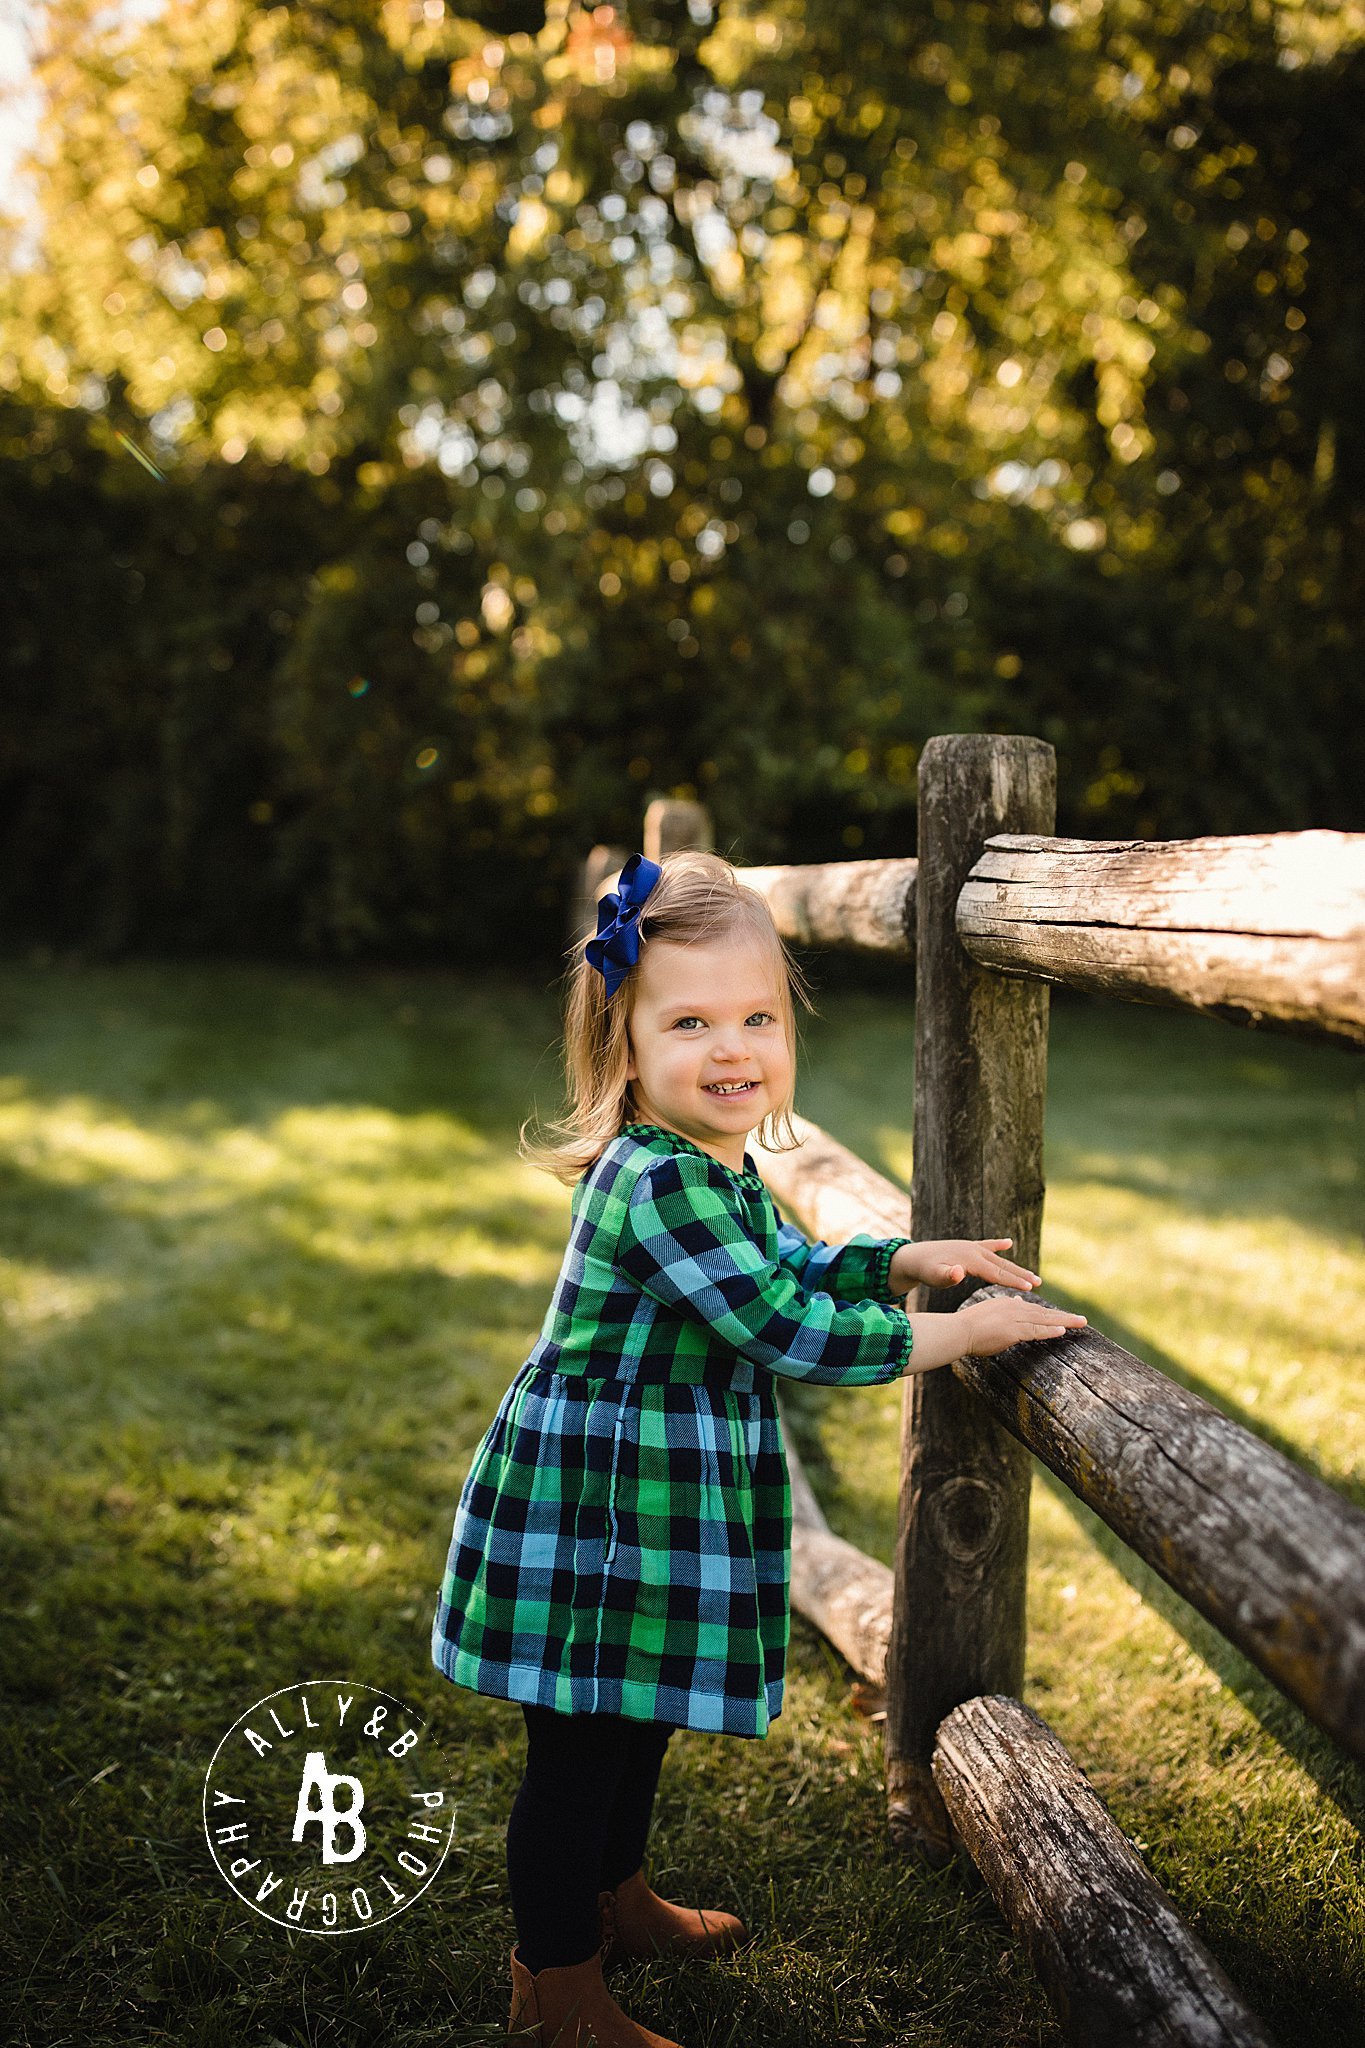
{"type": "Point", "coordinates": [994, 1325]}
{"type": "Point", "coordinates": [945, 1261]}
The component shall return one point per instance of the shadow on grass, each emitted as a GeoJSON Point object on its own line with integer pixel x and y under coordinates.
{"type": "Point", "coordinates": [47, 1219]}
{"type": "Point", "coordinates": [1336, 1775]}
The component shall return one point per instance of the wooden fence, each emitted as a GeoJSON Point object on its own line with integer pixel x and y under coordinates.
{"type": "Point", "coordinates": [1266, 931]}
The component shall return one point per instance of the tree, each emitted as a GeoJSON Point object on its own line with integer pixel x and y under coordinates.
{"type": "Point", "coordinates": [554, 408]}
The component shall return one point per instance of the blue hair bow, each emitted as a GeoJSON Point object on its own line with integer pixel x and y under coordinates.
{"type": "Point", "coordinates": [616, 947]}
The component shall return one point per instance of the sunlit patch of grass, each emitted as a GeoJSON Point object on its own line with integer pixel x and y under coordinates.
{"type": "Point", "coordinates": [269, 1260]}
{"type": "Point", "coordinates": [35, 1297]}
{"type": "Point", "coordinates": [1252, 1311]}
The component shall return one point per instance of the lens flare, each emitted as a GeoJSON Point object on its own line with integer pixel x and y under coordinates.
{"type": "Point", "coordinates": [135, 451]}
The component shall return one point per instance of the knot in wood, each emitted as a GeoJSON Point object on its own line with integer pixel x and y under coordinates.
{"type": "Point", "coordinates": [965, 1517]}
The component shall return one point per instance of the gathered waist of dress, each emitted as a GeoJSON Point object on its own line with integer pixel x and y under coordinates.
{"type": "Point", "coordinates": [736, 1376]}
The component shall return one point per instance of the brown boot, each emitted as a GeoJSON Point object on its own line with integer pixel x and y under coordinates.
{"type": "Point", "coordinates": [637, 1922]}
{"type": "Point", "coordinates": [572, 2008]}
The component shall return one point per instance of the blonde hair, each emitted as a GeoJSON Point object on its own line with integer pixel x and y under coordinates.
{"type": "Point", "coordinates": [698, 897]}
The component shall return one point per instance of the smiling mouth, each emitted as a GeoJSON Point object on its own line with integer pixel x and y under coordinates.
{"type": "Point", "coordinates": [726, 1089]}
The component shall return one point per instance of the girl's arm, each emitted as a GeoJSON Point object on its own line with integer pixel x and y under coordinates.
{"type": "Point", "coordinates": [684, 1241]}
{"type": "Point", "coordinates": [859, 1270]}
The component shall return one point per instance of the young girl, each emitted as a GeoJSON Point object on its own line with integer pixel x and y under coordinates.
{"type": "Point", "coordinates": [620, 1558]}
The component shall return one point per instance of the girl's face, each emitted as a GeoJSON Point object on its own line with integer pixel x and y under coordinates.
{"type": "Point", "coordinates": [708, 1052]}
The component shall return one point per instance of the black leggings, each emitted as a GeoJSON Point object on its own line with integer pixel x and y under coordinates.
{"type": "Point", "coordinates": [578, 1826]}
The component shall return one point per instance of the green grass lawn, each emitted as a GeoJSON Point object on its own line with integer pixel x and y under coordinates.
{"type": "Point", "coordinates": [267, 1261]}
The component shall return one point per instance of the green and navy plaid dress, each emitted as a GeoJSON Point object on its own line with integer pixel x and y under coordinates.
{"type": "Point", "coordinates": [622, 1543]}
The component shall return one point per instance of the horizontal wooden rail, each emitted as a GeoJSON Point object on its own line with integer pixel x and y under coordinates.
{"type": "Point", "coordinates": [828, 1191]}
{"type": "Point", "coordinates": [1265, 929]}
{"type": "Point", "coordinates": [1270, 1554]}
{"type": "Point", "coordinates": [867, 905]}
{"type": "Point", "coordinates": [1262, 929]}
{"type": "Point", "coordinates": [1118, 1963]}
{"type": "Point", "coordinates": [860, 905]}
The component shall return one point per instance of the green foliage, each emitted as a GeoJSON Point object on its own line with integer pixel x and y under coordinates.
{"type": "Point", "coordinates": [558, 408]}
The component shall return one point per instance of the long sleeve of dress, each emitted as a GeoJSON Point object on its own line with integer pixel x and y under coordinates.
{"type": "Point", "coordinates": [855, 1271]}
{"type": "Point", "coordinates": [686, 1241]}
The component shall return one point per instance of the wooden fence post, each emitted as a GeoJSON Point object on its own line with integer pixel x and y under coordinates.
{"type": "Point", "coordinates": [980, 1085]}
{"type": "Point", "coordinates": [601, 862]}
{"type": "Point", "coordinates": [672, 823]}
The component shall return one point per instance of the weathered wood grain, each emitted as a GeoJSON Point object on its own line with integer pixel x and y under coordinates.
{"type": "Point", "coordinates": [1121, 1968]}
{"type": "Point", "coordinates": [1269, 1553]}
{"type": "Point", "coordinates": [1309, 884]}
{"type": "Point", "coordinates": [1265, 929]}
{"type": "Point", "coordinates": [863, 904]}
{"type": "Point", "coordinates": [980, 1084]}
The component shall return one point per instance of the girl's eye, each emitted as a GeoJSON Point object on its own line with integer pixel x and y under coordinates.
{"type": "Point", "coordinates": [766, 1015]}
